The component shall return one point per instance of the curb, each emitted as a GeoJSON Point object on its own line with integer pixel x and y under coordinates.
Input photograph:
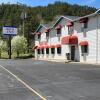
{"type": "Point", "coordinates": [62, 61]}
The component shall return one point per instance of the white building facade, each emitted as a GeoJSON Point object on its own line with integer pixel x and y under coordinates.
{"type": "Point", "coordinates": [70, 39]}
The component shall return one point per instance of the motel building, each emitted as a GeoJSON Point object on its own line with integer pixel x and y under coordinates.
{"type": "Point", "coordinates": [70, 39]}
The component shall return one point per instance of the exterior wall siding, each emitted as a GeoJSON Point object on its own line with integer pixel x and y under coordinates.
{"type": "Point", "coordinates": [90, 34]}
{"type": "Point", "coordinates": [98, 32]}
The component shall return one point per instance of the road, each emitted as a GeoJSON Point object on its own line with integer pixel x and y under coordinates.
{"type": "Point", "coordinates": [55, 81]}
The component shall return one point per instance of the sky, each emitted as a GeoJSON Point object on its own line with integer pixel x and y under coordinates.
{"type": "Point", "coordinates": [93, 3]}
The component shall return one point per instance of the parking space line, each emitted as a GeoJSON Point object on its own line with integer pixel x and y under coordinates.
{"type": "Point", "coordinates": [25, 84]}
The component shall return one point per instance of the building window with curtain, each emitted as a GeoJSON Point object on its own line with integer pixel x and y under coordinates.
{"type": "Point", "coordinates": [38, 51]}
{"type": "Point", "coordinates": [42, 51]}
{"type": "Point", "coordinates": [47, 50]}
{"type": "Point", "coordinates": [70, 30]}
{"type": "Point", "coordinates": [58, 31]}
{"type": "Point", "coordinates": [84, 26]}
{"type": "Point", "coordinates": [52, 50]}
{"type": "Point", "coordinates": [47, 34]}
{"type": "Point", "coordinates": [39, 36]}
{"type": "Point", "coordinates": [84, 49]}
{"type": "Point", "coordinates": [59, 50]}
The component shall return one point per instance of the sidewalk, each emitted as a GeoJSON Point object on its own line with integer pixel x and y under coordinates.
{"type": "Point", "coordinates": [66, 61]}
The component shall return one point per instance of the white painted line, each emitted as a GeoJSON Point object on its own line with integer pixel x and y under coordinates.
{"type": "Point", "coordinates": [25, 84]}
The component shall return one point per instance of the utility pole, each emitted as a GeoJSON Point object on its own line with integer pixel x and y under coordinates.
{"type": "Point", "coordinates": [23, 17]}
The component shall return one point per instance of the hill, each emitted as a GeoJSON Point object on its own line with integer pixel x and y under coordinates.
{"type": "Point", "coordinates": [10, 14]}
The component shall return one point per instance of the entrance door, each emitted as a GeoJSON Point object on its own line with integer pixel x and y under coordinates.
{"type": "Point", "coordinates": [72, 52]}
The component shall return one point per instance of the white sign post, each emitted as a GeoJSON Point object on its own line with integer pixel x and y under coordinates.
{"type": "Point", "coordinates": [10, 31]}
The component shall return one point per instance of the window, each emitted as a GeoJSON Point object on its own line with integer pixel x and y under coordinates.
{"type": "Point", "coordinates": [70, 29]}
{"type": "Point", "coordinates": [38, 51]}
{"type": "Point", "coordinates": [47, 34]}
{"type": "Point", "coordinates": [58, 31]}
{"type": "Point", "coordinates": [39, 36]}
{"type": "Point", "coordinates": [59, 50]}
{"type": "Point", "coordinates": [47, 50]}
{"type": "Point", "coordinates": [84, 49]}
{"type": "Point", "coordinates": [84, 26]}
{"type": "Point", "coordinates": [52, 50]}
{"type": "Point", "coordinates": [42, 51]}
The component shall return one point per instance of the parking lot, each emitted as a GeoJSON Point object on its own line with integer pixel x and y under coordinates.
{"type": "Point", "coordinates": [12, 89]}
{"type": "Point", "coordinates": [54, 81]}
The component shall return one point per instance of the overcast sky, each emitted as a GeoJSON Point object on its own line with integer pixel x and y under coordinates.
{"type": "Point", "coordinates": [93, 3]}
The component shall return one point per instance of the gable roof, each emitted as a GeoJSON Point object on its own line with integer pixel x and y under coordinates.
{"type": "Point", "coordinates": [90, 15]}
{"type": "Point", "coordinates": [39, 27]}
{"type": "Point", "coordinates": [71, 18]}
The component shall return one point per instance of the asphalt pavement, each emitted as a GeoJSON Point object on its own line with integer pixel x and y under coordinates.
{"type": "Point", "coordinates": [53, 80]}
{"type": "Point", "coordinates": [12, 89]}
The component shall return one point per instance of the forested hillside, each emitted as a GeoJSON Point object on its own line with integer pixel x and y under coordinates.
{"type": "Point", "coordinates": [10, 14]}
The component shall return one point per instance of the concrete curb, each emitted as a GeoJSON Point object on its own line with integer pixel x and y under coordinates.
{"type": "Point", "coordinates": [65, 61]}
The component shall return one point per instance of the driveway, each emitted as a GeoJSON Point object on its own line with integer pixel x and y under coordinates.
{"type": "Point", "coordinates": [57, 81]}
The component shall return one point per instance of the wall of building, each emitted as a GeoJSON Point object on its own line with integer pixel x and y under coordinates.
{"type": "Point", "coordinates": [91, 34]}
{"type": "Point", "coordinates": [98, 35]}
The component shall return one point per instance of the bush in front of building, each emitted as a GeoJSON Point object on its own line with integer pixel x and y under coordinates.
{"type": "Point", "coordinates": [19, 45]}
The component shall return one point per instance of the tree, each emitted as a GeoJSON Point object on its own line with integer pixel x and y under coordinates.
{"type": "Point", "coordinates": [3, 47]}
{"type": "Point", "coordinates": [19, 44]}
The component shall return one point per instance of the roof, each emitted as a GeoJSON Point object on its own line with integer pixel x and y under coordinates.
{"type": "Point", "coordinates": [71, 18]}
{"type": "Point", "coordinates": [90, 15]}
{"type": "Point", "coordinates": [40, 26]}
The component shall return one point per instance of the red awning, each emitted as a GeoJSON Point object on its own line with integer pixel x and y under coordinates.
{"type": "Point", "coordinates": [52, 46]}
{"type": "Point", "coordinates": [83, 20]}
{"type": "Point", "coordinates": [83, 43]}
{"type": "Point", "coordinates": [58, 45]}
{"type": "Point", "coordinates": [73, 40]}
{"type": "Point", "coordinates": [38, 47]}
{"type": "Point", "coordinates": [35, 47]}
{"type": "Point", "coordinates": [69, 24]}
{"type": "Point", "coordinates": [46, 46]}
{"type": "Point", "coordinates": [47, 30]}
{"type": "Point", "coordinates": [38, 33]}
{"type": "Point", "coordinates": [42, 47]}
{"type": "Point", "coordinates": [58, 27]}
{"type": "Point", "coordinates": [69, 40]}
{"type": "Point", "coordinates": [65, 40]}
